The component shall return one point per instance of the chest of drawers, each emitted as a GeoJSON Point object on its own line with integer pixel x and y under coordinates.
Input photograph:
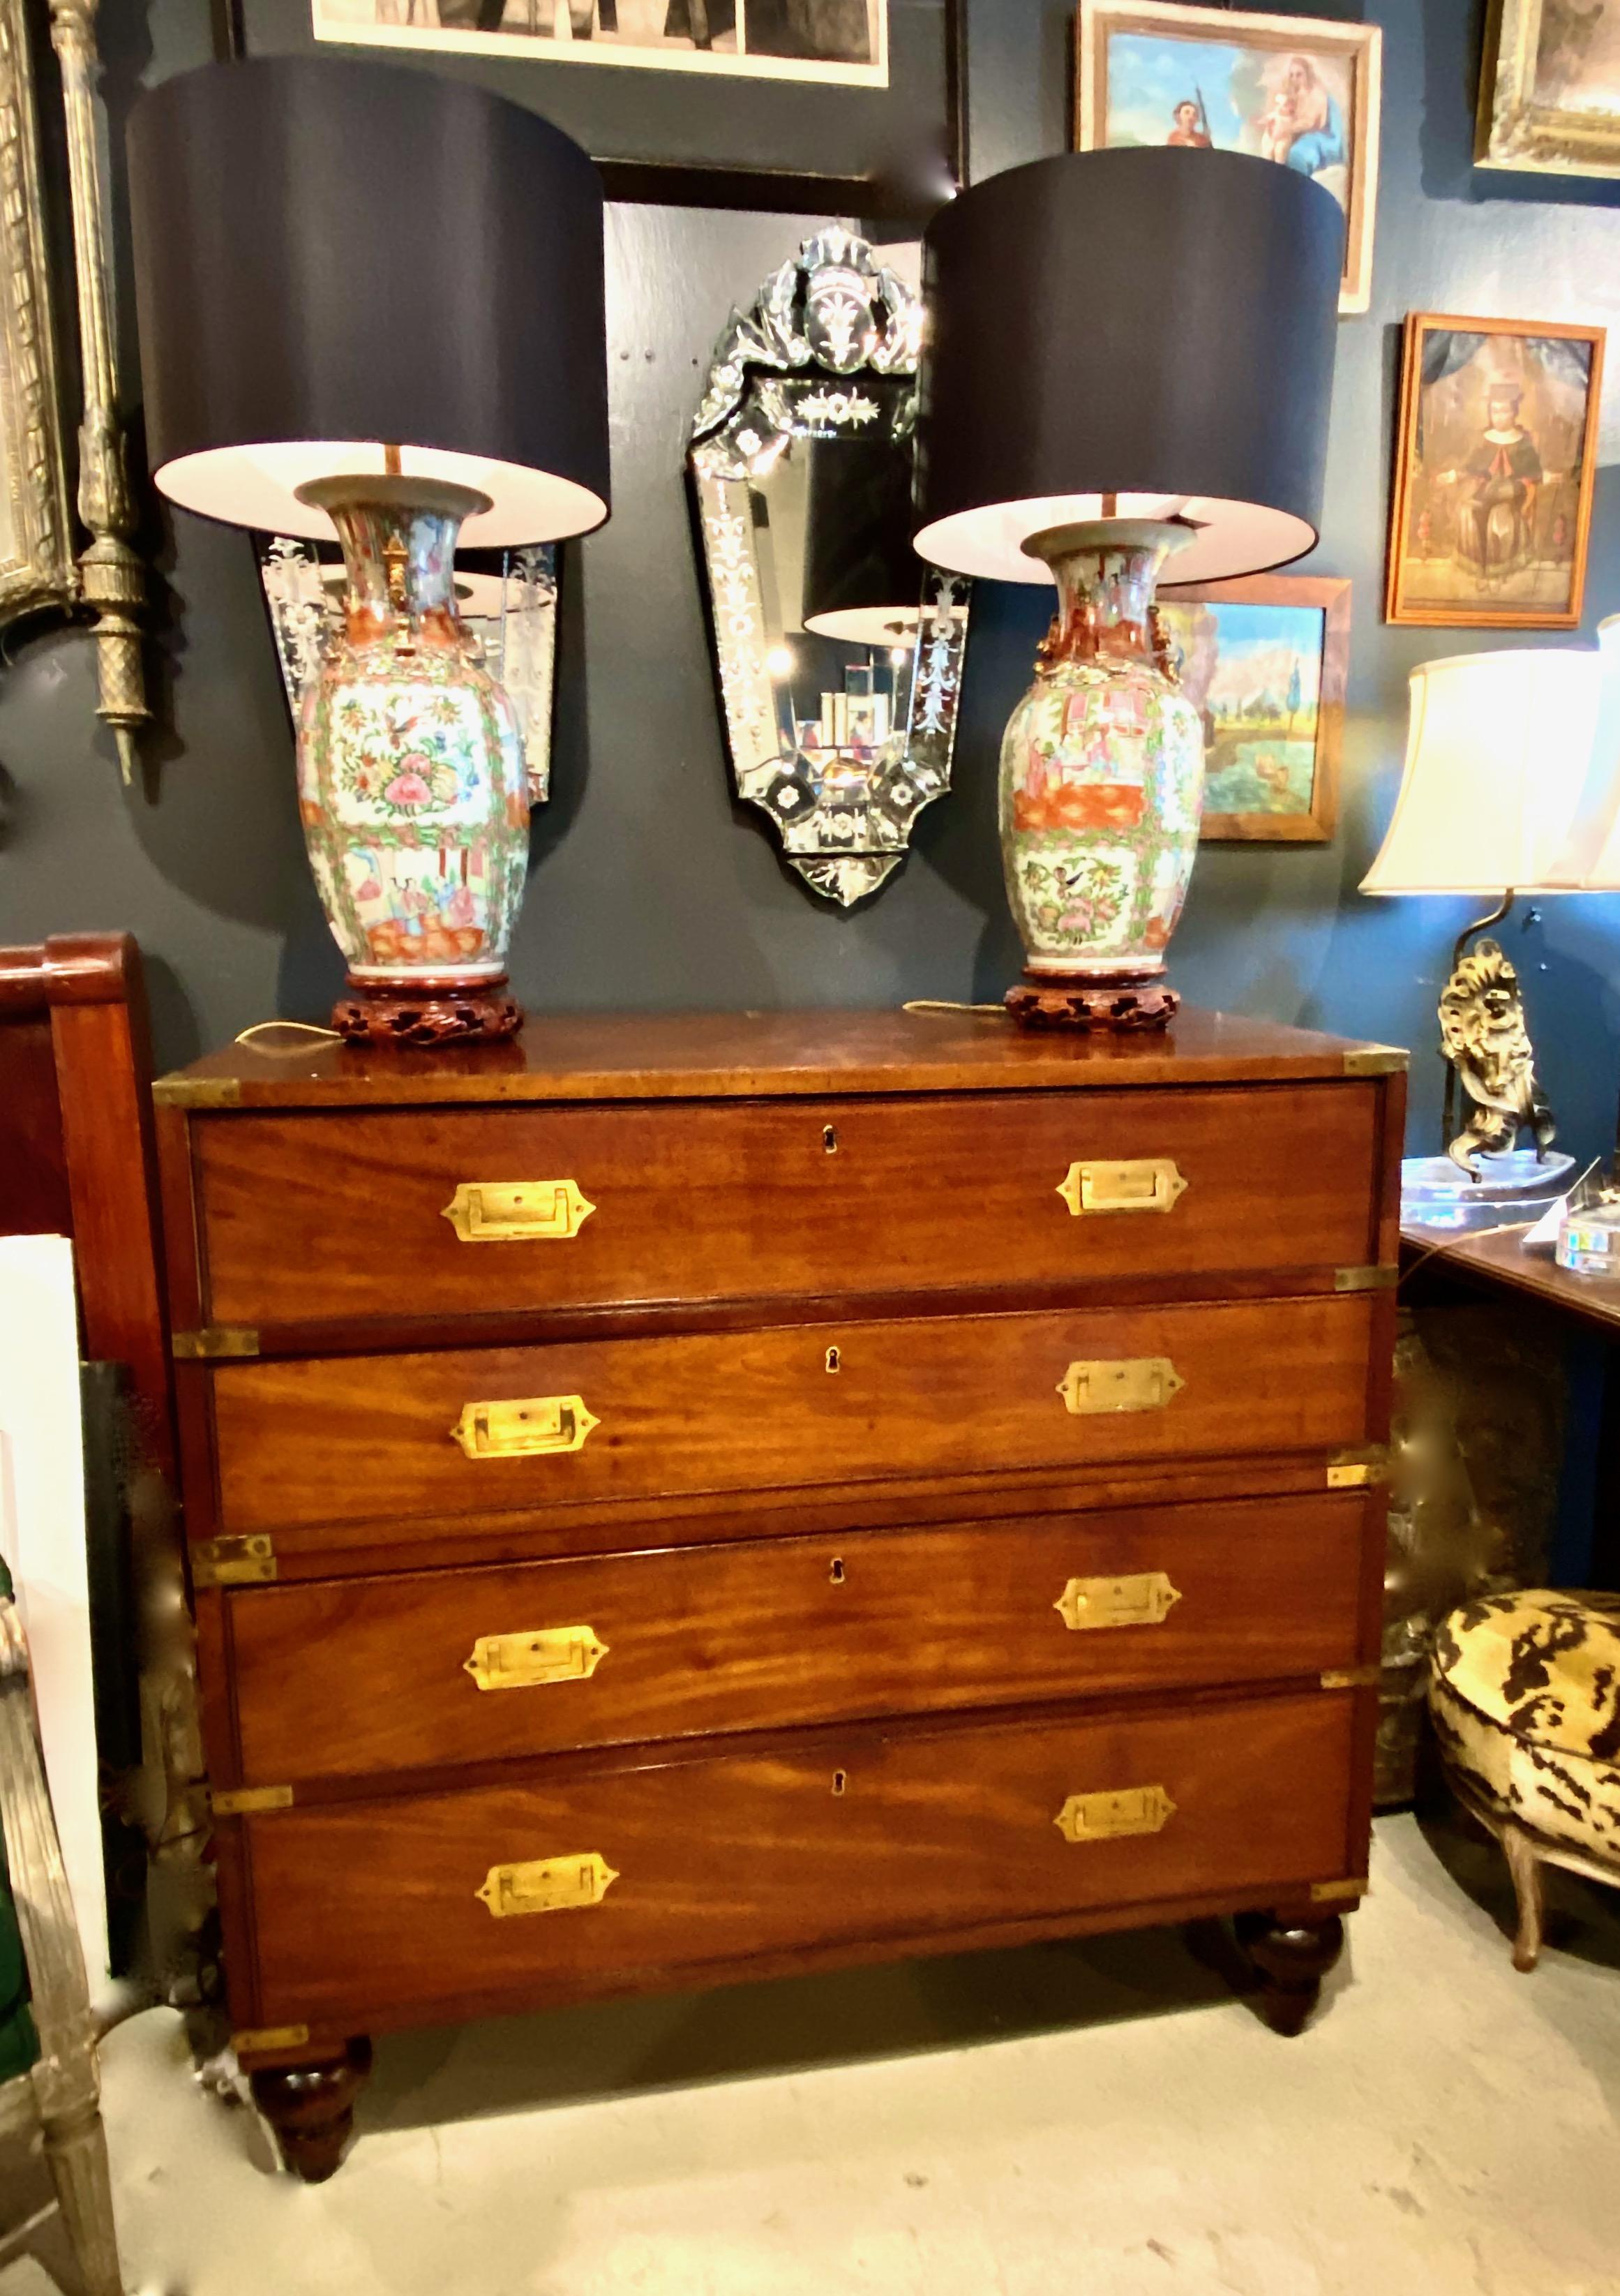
{"type": "Point", "coordinates": [675, 1499]}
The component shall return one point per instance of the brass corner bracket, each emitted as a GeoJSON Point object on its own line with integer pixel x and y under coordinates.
{"type": "Point", "coordinates": [214, 1341]}
{"type": "Point", "coordinates": [233, 1562]}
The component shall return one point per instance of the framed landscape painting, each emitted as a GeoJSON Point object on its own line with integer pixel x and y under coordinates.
{"type": "Point", "coordinates": [1549, 87]}
{"type": "Point", "coordinates": [1494, 469]}
{"type": "Point", "coordinates": [1297, 89]}
{"type": "Point", "coordinates": [1263, 662]}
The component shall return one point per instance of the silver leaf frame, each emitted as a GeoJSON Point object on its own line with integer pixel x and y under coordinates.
{"type": "Point", "coordinates": [36, 558]}
{"type": "Point", "coordinates": [792, 366]}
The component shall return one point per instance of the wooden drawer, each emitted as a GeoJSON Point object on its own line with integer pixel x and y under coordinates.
{"type": "Point", "coordinates": [369, 1438]}
{"type": "Point", "coordinates": [379, 1675]}
{"type": "Point", "coordinates": [313, 1218]}
{"type": "Point", "coordinates": [371, 1911]}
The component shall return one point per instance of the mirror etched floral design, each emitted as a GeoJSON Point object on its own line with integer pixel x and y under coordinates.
{"type": "Point", "coordinates": [838, 652]}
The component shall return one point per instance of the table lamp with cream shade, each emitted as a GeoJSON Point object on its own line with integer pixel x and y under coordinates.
{"type": "Point", "coordinates": [1498, 751]}
{"type": "Point", "coordinates": [371, 298]}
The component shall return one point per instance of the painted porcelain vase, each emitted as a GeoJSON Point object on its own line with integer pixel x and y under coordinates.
{"type": "Point", "coordinates": [411, 783]}
{"type": "Point", "coordinates": [1103, 768]}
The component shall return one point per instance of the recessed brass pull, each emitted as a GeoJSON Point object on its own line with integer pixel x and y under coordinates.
{"type": "Point", "coordinates": [1143, 1601]}
{"type": "Point", "coordinates": [517, 1211]}
{"type": "Point", "coordinates": [1125, 1383]}
{"type": "Point", "coordinates": [525, 1428]}
{"type": "Point", "coordinates": [1108, 1816]}
{"type": "Point", "coordinates": [1151, 1184]}
{"type": "Point", "coordinates": [547, 1885]}
{"type": "Point", "coordinates": [525, 1660]}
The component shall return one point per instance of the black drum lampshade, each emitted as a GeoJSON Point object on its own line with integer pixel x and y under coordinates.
{"type": "Point", "coordinates": [343, 266]}
{"type": "Point", "coordinates": [863, 579]}
{"type": "Point", "coordinates": [1139, 333]}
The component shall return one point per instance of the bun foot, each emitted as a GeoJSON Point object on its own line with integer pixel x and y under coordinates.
{"type": "Point", "coordinates": [311, 2107]}
{"type": "Point", "coordinates": [1290, 1956]}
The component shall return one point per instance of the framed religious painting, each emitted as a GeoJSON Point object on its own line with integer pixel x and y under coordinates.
{"type": "Point", "coordinates": [1550, 88]}
{"type": "Point", "coordinates": [1494, 469]}
{"type": "Point", "coordinates": [1300, 90]}
{"type": "Point", "coordinates": [1264, 661]}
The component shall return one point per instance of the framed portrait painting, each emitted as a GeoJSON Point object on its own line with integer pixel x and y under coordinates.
{"type": "Point", "coordinates": [1494, 469]}
{"type": "Point", "coordinates": [1264, 661]}
{"type": "Point", "coordinates": [1299, 90]}
{"type": "Point", "coordinates": [1550, 88]}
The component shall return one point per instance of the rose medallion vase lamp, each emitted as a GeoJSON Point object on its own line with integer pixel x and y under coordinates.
{"type": "Point", "coordinates": [1507, 788]}
{"type": "Point", "coordinates": [1129, 363]}
{"type": "Point", "coordinates": [371, 299]}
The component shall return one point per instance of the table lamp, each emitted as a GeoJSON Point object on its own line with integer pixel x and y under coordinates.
{"type": "Point", "coordinates": [371, 298]}
{"type": "Point", "coordinates": [1130, 354]}
{"type": "Point", "coordinates": [1498, 755]}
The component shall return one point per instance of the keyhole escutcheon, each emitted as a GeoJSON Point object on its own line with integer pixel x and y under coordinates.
{"type": "Point", "coordinates": [830, 1138]}
{"type": "Point", "coordinates": [835, 1362]}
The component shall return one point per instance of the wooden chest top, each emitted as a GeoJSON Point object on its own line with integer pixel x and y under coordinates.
{"type": "Point", "coordinates": [728, 1055]}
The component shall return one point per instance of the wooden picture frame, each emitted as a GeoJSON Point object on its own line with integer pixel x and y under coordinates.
{"type": "Point", "coordinates": [1489, 519]}
{"type": "Point", "coordinates": [1536, 81]}
{"type": "Point", "coordinates": [1292, 816]}
{"type": "Point", "coordinates": [1243, 98]}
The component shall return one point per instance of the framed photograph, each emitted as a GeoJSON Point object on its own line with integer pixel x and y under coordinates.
{"type": "Point", "coordinates": [845, 41]}
{"type": "Point", "coordinates": [855, 107]}
{"type": "Point", "coordinates": [1495, 468]}
{"type": "Point", "coordinates": [1550, 88]}
{"type": "Point", "coordinates": [1295, 89]}
{"type": "Point", "coordinates": [1265, 661]}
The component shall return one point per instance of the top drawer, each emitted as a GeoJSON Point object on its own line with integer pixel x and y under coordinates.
{"type": "Point", "coordinates": [317, 1216]}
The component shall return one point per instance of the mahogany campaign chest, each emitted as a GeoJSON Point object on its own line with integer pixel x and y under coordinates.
{"type": "Point", "coordinates": [674, 1499]}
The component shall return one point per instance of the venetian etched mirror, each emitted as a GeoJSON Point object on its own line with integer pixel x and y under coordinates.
{"type": "Point", "coordinates": [507, 599]}
{"type": "Point", "coordinates": [838, 652]}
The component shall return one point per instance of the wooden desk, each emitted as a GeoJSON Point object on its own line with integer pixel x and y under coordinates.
{"type": "Point", "coordinates": [1495, 1260]}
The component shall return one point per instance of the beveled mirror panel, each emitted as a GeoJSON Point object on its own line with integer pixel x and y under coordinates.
{"type": "Point", "coordinates": [839, 653]}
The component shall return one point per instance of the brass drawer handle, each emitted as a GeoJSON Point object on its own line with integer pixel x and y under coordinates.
{"type": "Point", "coordinates": [1151, 1184]}
{"type": "Point", "coordinates": [1109, 1817]}
{"type": "Point", "coordinates": [517, 1211]}
{"type": "Point", "coordinates": [547, 1885]}
{"type": "Point", "coordinates": [527, 1660]}
{"type": "Point", "coordinates": [1125, 1383]}
{"type": "Point", "coordinates": [1145, 1600]}
{"type": "Point", "coordinates": [525, 1429]}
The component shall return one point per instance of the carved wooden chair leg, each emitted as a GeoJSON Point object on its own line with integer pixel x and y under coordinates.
{"type": "Point", "coordinates": [66, 2084]}
{"type": "Point", "coordinates": [1291, 1955]}
{"type": "Point", "coordinates": [1526, 1866]}
{"type": "Point", "coordinates": [76, 2147]}
{"type": "Point", "coordinates": [311, 2107]}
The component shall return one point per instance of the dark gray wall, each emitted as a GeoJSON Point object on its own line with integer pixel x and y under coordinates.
{"type": "Point", "coordinates": [649, 890]}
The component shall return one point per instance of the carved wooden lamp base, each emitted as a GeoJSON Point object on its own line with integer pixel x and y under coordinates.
{"type": "Point", "coordinates": [431, 1012]}
{"type": "Point", "coordinates": [1095, 1007]}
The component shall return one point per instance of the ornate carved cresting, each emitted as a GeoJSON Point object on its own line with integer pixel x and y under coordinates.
{"type": "Point", "coordinates": [113, 578]}
{"type": "Point", "coordinates": [827, 350]}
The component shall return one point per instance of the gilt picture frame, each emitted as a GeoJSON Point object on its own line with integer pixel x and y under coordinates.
{"type": "Point", "coordinates": [36, 568]}
{"type": "Point", "coordinates": [1550, 90]}
{"type": "Point", "coordinates": [1302, 90]}
{"type": "Point", "coordinates": [1496, 462]}
{"type": "Point", "coordinates": [1265, 661]}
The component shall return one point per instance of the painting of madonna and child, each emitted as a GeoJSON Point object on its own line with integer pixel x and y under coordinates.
{"type": "Point", "coordinates": [1294, 89]}
{"type": "Point", "coordinates": [839, 41]}
{"type": "Point", "coordinates": [1495, 470]}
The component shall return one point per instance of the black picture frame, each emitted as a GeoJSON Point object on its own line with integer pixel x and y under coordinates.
{"type": "Point", "coordinates": [888, 155]}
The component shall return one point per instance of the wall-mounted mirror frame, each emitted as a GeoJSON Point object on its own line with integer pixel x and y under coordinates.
{"type": "Point", "coordinates": [35, 548]}
{"type": "Point", "coordinates": [842, 752]}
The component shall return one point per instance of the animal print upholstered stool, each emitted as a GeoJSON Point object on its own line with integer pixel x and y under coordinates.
{"type": "Point", "coordinates": [1526, 1699]}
